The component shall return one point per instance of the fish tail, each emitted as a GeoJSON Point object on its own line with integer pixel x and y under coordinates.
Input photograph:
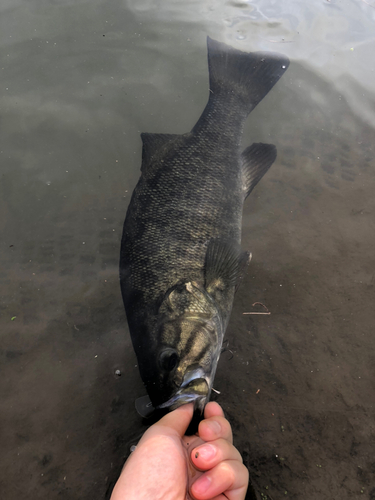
{"type": "Point", "coordinates": [247, 75]}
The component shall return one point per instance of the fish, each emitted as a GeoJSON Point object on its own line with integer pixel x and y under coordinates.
{"type": "Point", "coordinates": [181, 260]}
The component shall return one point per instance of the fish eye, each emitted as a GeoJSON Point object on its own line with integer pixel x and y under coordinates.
{"type": "Point", "coordinates": [168, 359]}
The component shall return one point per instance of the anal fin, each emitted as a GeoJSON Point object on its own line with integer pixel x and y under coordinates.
{"type": "Point", "coordinates": [256, 160]}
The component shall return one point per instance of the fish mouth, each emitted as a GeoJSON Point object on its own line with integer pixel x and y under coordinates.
{"type": "Point", "coordinates": [195, 390]}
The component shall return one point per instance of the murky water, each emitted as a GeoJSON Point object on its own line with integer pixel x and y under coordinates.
{"type": "Point", "coordinates": [79, 82]}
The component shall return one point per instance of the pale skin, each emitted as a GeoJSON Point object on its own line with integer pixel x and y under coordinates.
{"type": "Point", "coordinates": [167, 465]}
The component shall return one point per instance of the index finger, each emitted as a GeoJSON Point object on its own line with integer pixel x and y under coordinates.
{"type": "Point", "coordinates": [215, 425]}
{"type": "Point", "coordinates": [213, 409]}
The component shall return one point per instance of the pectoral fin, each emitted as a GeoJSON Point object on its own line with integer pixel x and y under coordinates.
{"type": "Point", "coordinates": [256, 160]}
{"type": "Point", "coordinates": [225, 265]}
{"type": "Point", "coordinates": [144, 407]}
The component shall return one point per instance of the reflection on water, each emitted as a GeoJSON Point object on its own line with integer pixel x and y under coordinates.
{"type": "Point", "coordinates": [79, 82]}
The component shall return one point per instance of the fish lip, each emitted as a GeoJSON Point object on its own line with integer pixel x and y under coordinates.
{"type": "Point", "coordinates": [176, 401]}
{"type": "Point", "coordinates": [184, 395]}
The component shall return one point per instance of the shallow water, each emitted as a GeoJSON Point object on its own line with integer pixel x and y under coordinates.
{"type": "Point", "coordinates": [79, 82]}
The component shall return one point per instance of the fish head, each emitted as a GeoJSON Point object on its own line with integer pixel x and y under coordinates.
{"type": "Point", "coordinates": [189, 338]}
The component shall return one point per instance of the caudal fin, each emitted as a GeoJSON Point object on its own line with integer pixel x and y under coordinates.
{"type": "Point", "coordinates": [248, 75]}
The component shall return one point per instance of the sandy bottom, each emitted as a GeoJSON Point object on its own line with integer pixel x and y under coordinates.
{"type": "Point", "coordinates": [297, 385]}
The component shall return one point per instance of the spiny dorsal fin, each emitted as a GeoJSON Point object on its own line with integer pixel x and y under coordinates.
{"type": "Point", "coordinates": [225, 264]}
{"type": "Point", "coordinates": [256, 160]}
{"type": "Point", "coordinates": [155, 146]}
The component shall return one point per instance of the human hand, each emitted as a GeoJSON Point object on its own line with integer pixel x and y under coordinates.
{"type": "Point", "coordinates": [167, 465]}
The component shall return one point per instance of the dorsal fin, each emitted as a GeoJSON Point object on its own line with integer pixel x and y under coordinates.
{"type": "Point", "coordinates": [256, 160]}
{"type": "Point", "coordinates": [225, 264]}
{"type": "Point", "coordinates": [154, 146]}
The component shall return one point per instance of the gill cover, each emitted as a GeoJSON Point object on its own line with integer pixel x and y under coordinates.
{"type": "Point", "coordinates": [192, 328]}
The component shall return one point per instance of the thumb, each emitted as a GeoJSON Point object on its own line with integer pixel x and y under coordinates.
{"type": "Point", "coordinates": [178, 420]}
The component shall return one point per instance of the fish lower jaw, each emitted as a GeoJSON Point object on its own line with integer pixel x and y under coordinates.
{"type": "Point", "coordinates": [196, 391]}
{"type": "Point", "coordinates": [173, 403]}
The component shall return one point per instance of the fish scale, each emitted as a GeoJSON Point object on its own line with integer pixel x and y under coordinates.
{"type": "Point", "coordinates": [180, 260]}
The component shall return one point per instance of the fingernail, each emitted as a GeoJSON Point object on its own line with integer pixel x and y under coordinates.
{"type": "Point", "coordinates": [207, 452]}
{"type": "Point", "coordinates": [201, 485]}
{"type": "Point", "coordinates": [214, 426]}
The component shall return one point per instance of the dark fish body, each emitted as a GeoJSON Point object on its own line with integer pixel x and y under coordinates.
{"type": "Point", "coordinates": [180, 258]}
